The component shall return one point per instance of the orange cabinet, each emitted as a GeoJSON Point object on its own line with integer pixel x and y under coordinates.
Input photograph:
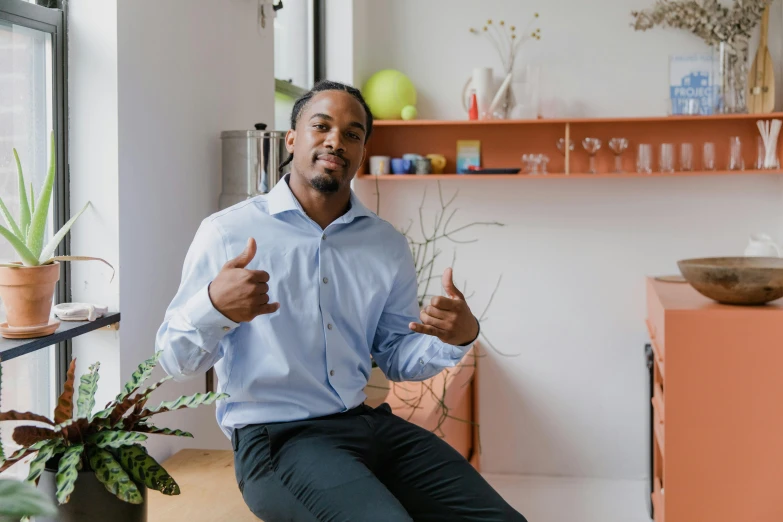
{"type": "Point", "coordinates": [717, 407]}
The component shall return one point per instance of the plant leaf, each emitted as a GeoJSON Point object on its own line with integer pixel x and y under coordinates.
{"type": "Point", "coordinates": [146, 470]}
{"type": "Point", "coordinates": [138, 377]}
{"type": "Point", "coordinates": [137, 402]}
{"type": "Point", "coordinates": [26, 416]}
{"type": "Point", "coordinates": [24, 208]}
{"type": "Point", "coordinates": [47, 451]}
{"type": "Point", "coordinates": [88, 384]}
{"type": "Point", "coordinates": [21, 453]}
{"type": "Point", "coordinates": [21, 499]}
{"type": "Point", "coordinates": [27, 257]}
{"type": "Point", "coordinates": [64, 410]}
{"type": "Point", "coordinates": [113, 477]}
{"type": "Point", "coordinates": [148, 428]}
{"type": "Point", "coordinates": [192, 401]}
{"type": "Point", "coordinates": [35, 236]}
{"type": "Point", "coordinates": [29, 435]}
{"type": "Point", "coordinates": [48, 250]}
{"type": "Point", "coordinates": [9, 219]}
{"type": "Point", "coordinates": [74, 430]}
{"type": "Point", "coordinates": [115, 438]}
{"type": "Point", "coordinates": [32, 198]}
{"type": "Point", "coordinates": [68, 472]}
{"type": "Point", "coordinates": [79, 258]}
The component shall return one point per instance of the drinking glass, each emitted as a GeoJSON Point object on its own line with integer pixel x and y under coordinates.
{"type": "Point", "coordinates": [644, 158]}
{"type": "Point", "coordinates": [686, 157]}
{"type": "Point", "coordinates": [708, 156]}
{"type": "Point", "coordinates": [591, 146]}
{"type": "Point", "coordinates": [735, 153]}
{"type": "Point", "coordinates": [666, 159]}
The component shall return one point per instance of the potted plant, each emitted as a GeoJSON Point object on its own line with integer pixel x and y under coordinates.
{"type": "Point", "coordinates": [27, 286]}
{"type": "Point", "coordinates": [17, 499]}
{"type": "Point", "coordinates": [96, 460]}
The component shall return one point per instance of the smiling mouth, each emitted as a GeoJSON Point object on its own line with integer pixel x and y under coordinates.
{"type": "Point", "coordinates": [331, 162]}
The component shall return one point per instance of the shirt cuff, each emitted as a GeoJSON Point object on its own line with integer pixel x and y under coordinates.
{"type": "Point", "coordinates": [204, 317]}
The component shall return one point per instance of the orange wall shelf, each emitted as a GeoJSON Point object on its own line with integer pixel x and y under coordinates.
{"type": "Point", "coordinates": [503, 142]}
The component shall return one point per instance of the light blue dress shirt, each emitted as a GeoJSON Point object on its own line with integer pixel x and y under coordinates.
{"type": "Point", "coordinates": [346, 293]}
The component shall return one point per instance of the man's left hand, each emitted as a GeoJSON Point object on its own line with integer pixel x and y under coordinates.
{"type": "Point", "coordinates": [448, 318]}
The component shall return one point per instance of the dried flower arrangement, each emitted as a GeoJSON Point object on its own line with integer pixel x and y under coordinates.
{"type": "Point", "coordinates": [726, 27]}
{"type": "Point", "coordinates": [507, 43]}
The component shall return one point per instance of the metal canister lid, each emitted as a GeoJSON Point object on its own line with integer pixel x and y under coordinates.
{"type": "Point", "coordinates": [259, 132]}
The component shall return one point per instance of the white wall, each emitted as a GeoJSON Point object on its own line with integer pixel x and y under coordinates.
{"type": "Point", "coordinates": [93, 158]}
{"type": "Point", "coordinates": [574, 253]}
{"type": "Point", "coordinates": [173, 75]}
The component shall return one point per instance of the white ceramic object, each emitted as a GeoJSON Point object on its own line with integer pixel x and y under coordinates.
{"type": "Point", "coordinates": [761, 245]}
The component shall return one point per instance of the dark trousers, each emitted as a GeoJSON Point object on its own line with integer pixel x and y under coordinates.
{"type": "Point", "coordinates": [363, 465]}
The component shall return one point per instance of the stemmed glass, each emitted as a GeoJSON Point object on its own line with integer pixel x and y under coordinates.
{"type": "Point", "coordinates": [618, 146]}
{"type": "Point", "coordinates": [561, 145]}
{"type": "Point", "coordinates": [591, 146]}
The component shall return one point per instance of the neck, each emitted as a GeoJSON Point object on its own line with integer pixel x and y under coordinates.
{"type": "Point", "coordinates": [321, 208]}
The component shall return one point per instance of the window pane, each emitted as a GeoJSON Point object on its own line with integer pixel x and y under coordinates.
{"type": "Point", "coordinates": [26, 119]}
{"type": "Point", "coordinates": [294, 60]}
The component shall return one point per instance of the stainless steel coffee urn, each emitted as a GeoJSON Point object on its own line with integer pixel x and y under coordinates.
{"type": "Point", "coordinates": [251, 162]}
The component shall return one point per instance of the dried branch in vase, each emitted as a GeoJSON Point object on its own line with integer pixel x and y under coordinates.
{"type": "Point", "coordinates": [506, 40]}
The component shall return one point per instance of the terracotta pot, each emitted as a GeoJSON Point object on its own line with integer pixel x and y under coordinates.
{"type": "Point", "coordinates": [27, 293]}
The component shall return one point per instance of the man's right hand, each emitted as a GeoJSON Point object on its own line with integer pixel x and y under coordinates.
{"type": "Point", "coordinates": [241, 294]}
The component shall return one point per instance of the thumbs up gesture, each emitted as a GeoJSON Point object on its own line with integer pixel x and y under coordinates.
{"type": "Point", "coordinates": [241, 294]}
{"type": "Point", "coordinates": [448, 318]}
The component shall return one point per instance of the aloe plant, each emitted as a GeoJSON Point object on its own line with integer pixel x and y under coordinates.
{"type": "Point", "coordinates": [17, 499]}
{"type": "Point", "coordinates": [107, 442]}
{"type": "Point", "coordinates": [27, 234]}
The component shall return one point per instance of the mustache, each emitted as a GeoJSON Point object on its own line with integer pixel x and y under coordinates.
{"type": "Point", "coordinates": [331, 155]}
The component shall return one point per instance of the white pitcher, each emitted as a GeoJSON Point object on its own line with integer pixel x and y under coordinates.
{"type": "Point", "coordinates": [482, 84]}
{"type": "Point", "coordinates": [761, 245]}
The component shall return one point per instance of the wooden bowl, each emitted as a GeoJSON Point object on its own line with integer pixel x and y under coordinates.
{"type": "Point", "coordinates": [735, 280]}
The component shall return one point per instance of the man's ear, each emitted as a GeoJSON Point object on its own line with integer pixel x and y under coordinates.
{"type": "Point", "coordinates": [364, 155]}
{"type": "Point", "coordinates": [290, 136]}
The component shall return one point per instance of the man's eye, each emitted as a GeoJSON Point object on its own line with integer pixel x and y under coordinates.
{"type": "Point", "coordinates": [353, 136]}
{"type": "Point", "coordinates": [320, 126]}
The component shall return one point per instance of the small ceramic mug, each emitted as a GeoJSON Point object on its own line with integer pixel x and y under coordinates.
{"type": "Point", "coordinates": [438, 163]}
{"type": "Point", "coordinates": [401, 166]}
{"type": "Point", "coordinates": [422, 166]}
{"type": "Point", "coordinates": [380, 165]}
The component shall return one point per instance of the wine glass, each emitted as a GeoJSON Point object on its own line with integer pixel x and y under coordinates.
{"type": "Point", "coordinates": [591, 146]}
{"type": "Point", "coordinates": [618, 146]}
{"type": "Point", "coordinates": [561, 145]}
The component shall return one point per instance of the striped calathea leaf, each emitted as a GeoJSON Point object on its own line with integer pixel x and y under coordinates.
{"type": "Point", "coordinates": [138, 377]}
{"type": "Point", "coordinates": [143, 427]}
{"type": "Point", "coordinates": [115, 411]}
{"type": "Point", "coordinates": [29, 435]}
{"type": "Point", "coordinates": [115, 438]}
{"type": "Point", "coordinates": [49, 449]}
{"type": "Point", "coordinates": [22, 453]}
{"type": "Point", "coordinates": [64, 410]}
{"type": "Point", "coordinates": [68, 472]}
{"type": "Point", "coordinates": [145, 470]}
{"type": "Point", "coordinates": [192, 401]}
{"type": "Point", "coordinates": [116, 480]}
{"type": "Point", "coordinates": [88, 384]}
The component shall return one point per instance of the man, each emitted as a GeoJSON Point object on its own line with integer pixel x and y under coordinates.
{"type": "Point", "coordinates": [288, 295]}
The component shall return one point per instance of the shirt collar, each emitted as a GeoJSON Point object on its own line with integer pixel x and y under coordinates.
{"type": "Point", "coordinates": [281, 199]}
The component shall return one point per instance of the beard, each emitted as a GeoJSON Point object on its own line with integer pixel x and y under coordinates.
{"type": "Point", "coordinates": [325, 184]}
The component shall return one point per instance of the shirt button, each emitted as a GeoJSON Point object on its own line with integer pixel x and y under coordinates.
{"type": "Point", "coordinates": [331, 373]}
{"type": "Point", "coordinates": [226, 328]}
{"type": "Point", "coordinates": [323, 237]}
{"type": "Point", "coordinates": [326, 280]}
{"type": "Point", "coordinates": [421, 361]}
{"type": "Point", "coordinates": [329, 326]}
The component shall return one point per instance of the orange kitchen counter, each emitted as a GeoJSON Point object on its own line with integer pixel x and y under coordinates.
{"type": "Point", "coordinates": [718, 407]}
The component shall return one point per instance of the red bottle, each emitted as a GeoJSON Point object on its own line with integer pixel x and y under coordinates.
{"type": "Point", "coordinates": [473, 111]}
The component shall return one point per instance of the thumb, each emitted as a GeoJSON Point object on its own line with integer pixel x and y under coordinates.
{"type": "Point", "coordinates": [243, 259]}
{"type": "Point", "coordinates": [448, 285]}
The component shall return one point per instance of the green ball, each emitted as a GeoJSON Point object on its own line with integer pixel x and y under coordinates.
{"type": "Point", "coordinates": [409, 112]}
{"type": "Point", "coordinates": [387, 92]}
